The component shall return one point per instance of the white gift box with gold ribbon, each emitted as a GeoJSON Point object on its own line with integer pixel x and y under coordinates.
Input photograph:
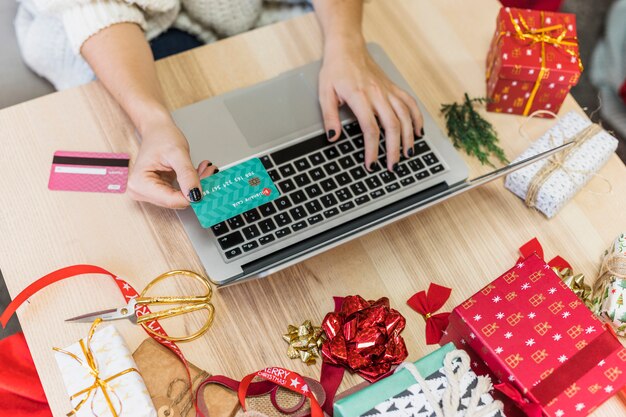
{"type": "Point", "coordinates": [549, 184]}
{"type": "Point", "coordinates": [101, 377]}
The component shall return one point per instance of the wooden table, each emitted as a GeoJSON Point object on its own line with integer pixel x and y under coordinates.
{"type": "Point", "coordinates": [439, 46]}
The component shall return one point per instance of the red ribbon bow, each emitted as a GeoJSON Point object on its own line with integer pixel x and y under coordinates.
{"type": "Point", "coordinates": [364, 337]}
{"type": "Point", "coordinates": [533, 246]}
{"type": "Point", "coordinates": [427, 305]}
{"type": "Point", "coordinates": [529, 408]}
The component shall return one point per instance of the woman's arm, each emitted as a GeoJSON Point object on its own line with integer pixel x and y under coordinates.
{"type": "Point", "coordinates": [122, 60]}
{"type": "Point", "coordinates": [349, 75]}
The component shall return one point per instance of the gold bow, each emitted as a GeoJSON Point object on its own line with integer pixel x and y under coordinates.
{"type": "Point", "coordinates": [305, 342]}
{"type": "Point", "coordinates": [92, 366]}
{"type": "Point", "coordinates": [576, 282]}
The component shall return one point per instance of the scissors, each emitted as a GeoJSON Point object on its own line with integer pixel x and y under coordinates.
{"type": "Point", "coordinates": [187, 304]}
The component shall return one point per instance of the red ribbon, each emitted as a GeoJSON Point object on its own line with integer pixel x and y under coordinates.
{"type": "Point", "coordinates": [284, 378]}
{"type": "Point", "coordinates": [534, 247]}
{"type": "Point", "coordinates": [529, 408]}
{"type": "Point", "coordinates": [427, 304]}
{"type": "Point", "coordinates": [126, 289]}
{"type": "Point", "coordinates": [257, 389]}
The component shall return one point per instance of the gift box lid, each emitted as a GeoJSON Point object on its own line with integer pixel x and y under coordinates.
{"type": "Point", "coordinates": [362, 401]}
{"type": "Point", "coordinates": [527, 39]}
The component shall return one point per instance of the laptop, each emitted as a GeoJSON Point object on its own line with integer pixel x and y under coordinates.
{"type": "Point", "coordinates": [327, 196]}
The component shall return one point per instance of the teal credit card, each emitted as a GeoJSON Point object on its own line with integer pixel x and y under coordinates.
{"type": "Point", "coordinates": [234, 191]}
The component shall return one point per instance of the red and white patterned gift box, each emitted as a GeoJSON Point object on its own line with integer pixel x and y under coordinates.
{"type": "Point", "coordinates": [533, 333]}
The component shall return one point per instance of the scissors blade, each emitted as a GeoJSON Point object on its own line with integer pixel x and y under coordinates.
{"type": "Point", "coordinates": [127, 311]}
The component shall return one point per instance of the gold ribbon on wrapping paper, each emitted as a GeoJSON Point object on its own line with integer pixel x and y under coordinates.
{"type": "Point", "coordinates": [557, 161]}
{"type": "Point", "coordinates": [543, 37]}
{"type": "Point", "coordinates": [305, 342]}
{"type": "Point", "coordinates": [99, 383]}
{"type": "Point", "coordinates": [575, 282]}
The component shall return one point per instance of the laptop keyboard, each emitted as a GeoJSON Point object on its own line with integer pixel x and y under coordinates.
{"type": "Point", "coordinates": [320, 180]}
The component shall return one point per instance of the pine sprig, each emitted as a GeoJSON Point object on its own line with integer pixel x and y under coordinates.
{"type": "Point", "coordinates": [470, 132]}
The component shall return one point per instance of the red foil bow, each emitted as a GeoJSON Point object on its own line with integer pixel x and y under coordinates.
{"type": "Point", "coordinates": [427, 305]}
{"type": "Point", "coordinates": [364, 337]}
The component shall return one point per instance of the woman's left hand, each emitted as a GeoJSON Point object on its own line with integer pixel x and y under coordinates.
{"type": "Point", "coordinates": [350, 76]}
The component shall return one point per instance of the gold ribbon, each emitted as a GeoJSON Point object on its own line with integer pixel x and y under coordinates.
{"type": "Point", "coordinates": [543, 37]}
{"type": "Point", "coordinates": [557, 161]}
{"type": "Point", "coordinates": [305, 342]}
{"type": "Point", "coordinates": [576, 282]}
{"type": "Point", "coordinates": [99, 383]}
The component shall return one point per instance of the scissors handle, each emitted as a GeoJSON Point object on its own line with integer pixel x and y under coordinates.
{"type": "Point", "coordinates": [189, 305]}
{"type": "Point", "coordinates": [172, 312]}
{"type": "Point", "coordinates": [173, 300]}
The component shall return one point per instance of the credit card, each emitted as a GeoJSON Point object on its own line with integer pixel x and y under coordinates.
{"type": "Point", "coordinates": [234, 191]}
{"type": "Point", "coordinates": [99, 172]}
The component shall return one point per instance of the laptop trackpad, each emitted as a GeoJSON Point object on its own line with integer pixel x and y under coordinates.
{"type": "Point", "coordinates": [273, 110]}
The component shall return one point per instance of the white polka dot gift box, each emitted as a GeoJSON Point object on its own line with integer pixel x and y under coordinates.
{"type": "Point", "coordinates": [101, 377]}
{"type": "Point", "coordinates": [533, 61]}
{"type": "Point", "coordinates": [549, 184]}
{"type": "Point", "coordinates": [540, 343]}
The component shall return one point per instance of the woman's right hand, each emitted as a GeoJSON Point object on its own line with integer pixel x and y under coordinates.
{"type": "Point", "coordinates": [164, 157]}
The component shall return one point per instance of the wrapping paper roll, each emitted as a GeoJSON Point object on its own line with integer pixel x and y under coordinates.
{"type": "Point", "coordinates": [609, 291]}
{"type": "Point", "coordinates": [553, 181]}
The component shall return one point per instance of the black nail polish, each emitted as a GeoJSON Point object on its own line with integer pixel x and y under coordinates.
{"type": "Point", "coordinates": [394, 168]}
{"type": "Point", "coordinates": [210, 163]}
{"type": "Point", "coordinates": [195, 195]}
{"type": "Point", "coordinates": [422, 132]}
{"type": "Point", "coordinates": [410, 152]}
{"type": "Point", "coordinates": [216, 170]}
{"type": "Point", "coordinates": [372, 166]}
{"type": "Point", "coordinates": [330, 134]}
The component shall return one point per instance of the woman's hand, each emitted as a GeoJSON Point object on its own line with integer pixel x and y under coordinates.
{"type": "Point", "coordinates": [350, 76]}
{"type": "Point", "coordinates": [121, 58]}
{"type": "Point", "coordinates": [164, 157]}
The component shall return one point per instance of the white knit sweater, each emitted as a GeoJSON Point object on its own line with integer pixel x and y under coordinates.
{"type": "Point", "coordinates": [51, 32]}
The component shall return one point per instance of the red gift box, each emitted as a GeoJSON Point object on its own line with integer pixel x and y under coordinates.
{"type": "Point", "coordinates": [533, 61]}
{"type": "Point", "coordinates": [540, 340]}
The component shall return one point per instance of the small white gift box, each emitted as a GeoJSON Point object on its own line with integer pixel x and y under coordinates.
{"type": "Point", "coordinates": [549, 184]}
{"type": "Point", "coordinates": [101, 377]}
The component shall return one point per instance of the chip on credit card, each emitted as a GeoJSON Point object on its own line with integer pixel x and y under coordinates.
{"type": "Point", "coordinates": [234, 191]}
{"type": "Point", "coordinates": [101, 172]}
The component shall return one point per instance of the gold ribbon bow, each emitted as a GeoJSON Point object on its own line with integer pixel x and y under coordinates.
{"type": "Point", "coordinates": [92, 366]}
{"type": "Point", "coordinates": [576, 282]}
{"type": "Point", "coordinates": [305, 342]}
{"type": "Point", "coordinates": [542, 36]}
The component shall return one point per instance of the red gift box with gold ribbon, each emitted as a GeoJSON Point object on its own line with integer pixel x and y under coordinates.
{"type": "Point", "coordinates": [547, 350]}
{"type": "Point", "coordinates": [533, 61]}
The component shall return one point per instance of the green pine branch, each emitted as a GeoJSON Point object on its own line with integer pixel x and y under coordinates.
{"type": "Point", "coordinates": [470, 132]}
